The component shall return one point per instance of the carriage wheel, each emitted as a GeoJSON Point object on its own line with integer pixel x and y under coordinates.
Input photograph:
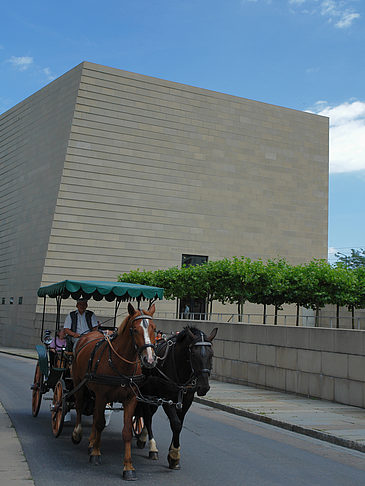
{"type": "Point", "coordinates": [37, 390]}
{"type": "Point", "coordinates": [137, 425]}
{"type": "Point", "coordinates": [58, 408]}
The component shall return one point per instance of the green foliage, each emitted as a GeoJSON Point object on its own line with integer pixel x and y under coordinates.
{"type": "Point", "coordinates": [355, 260]}
{"type": "Point", "coordinates": [359, 293]}
{"type": "Point", "coordinates": [239, 280]}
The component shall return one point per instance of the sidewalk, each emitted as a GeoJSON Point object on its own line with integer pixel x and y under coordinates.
{"type": "Point", "coordinates": [339, 424]}
{"type": "Point", "coordinates": [13, 465]}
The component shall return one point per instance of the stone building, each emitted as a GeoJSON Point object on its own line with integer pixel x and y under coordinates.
{"type": "Point", "coordinates": [103, 171]}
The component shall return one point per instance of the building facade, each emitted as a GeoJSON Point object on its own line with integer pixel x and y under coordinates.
{"type": "Point", "coordinates": [104, 171]}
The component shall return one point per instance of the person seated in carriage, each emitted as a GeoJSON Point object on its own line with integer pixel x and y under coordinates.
{"type": "Point", "coordinates": [79, 322]}
{"type": "Point", "coordinates": [57, 344]}
{"type": "Point", "coordinates": [59, 341]}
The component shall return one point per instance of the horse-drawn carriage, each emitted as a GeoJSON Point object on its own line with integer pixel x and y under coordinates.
{"type": "Point", "coordinates": [126, 367]}
{"type": "Point", "coordinates": [53, 369]}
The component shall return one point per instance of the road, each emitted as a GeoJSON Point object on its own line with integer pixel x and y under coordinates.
{"type": "Point", "coordinates": [217, 448]}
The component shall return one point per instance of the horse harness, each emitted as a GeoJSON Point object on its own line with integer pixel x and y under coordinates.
{"type": "Point", "coordinates": [104, 344]}
{"type": "Point", "coordinates": [189, 385]}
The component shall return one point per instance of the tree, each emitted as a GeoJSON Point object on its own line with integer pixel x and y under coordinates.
{"type": "Point", "coordinates": [279, 284]}
{"type": "Point", "coordinates": [341, 290]}
{"type": "Point", "coordinates": [260, 285]}
{"type": "Point", "coordinates": [239, 288]}
{"type": "Point", "coordinates": [238, 280]}
{"type": "Point", "coordinates": [316, 278]}
{"type": "Point", "coordinates": [355, 260]}
{"type": "Point", "coordinates": [216, 280]}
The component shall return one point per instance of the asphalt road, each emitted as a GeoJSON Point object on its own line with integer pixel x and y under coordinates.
{"type": "Point", "coordinates": [217, 448]}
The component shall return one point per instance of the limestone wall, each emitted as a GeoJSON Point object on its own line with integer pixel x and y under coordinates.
{"type": "Point", "coordinates": [316, 362]}
{"type": "Point", "coordinates": [33, 141]}
{"type": "Point", "coordinates": [106, 171]}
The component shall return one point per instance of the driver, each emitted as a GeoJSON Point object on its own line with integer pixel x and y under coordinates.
{"type": "Point", "coordinates": [80, 321]}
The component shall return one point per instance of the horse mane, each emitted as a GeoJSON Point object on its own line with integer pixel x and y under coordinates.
{"type": "Point", "coordinates": [185, 332]}
{"type": "Point", "coordinates": [123, 325]}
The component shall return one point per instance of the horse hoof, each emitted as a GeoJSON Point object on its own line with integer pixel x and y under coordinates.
{"type": "Point", "coordinates": [75, 441]}
{"type": "Point", "coordinates": [153, 456]}
{"type": "Point", "coordinates": [129, 475]}
{"type": "Point", "coordinates": [173, 463]}
{"type": "Point", "coordinates": [95, 460]}
{"type": "Point", "coordinates": [140, 444]}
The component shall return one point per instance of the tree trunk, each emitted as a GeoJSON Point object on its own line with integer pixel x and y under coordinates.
{"type": "Point", "coordinates": [240, 310]}
{"type": "Point", "coordinates": [264, 316]}
{"type": "Point", "coordinates": [276, 316]}
{"type": "Point", "coordinates": [337, 316]}
{"type": "Point", "coordinates": [297, 321]}
{"type": "Point", "coordinates": [316, 324]}
{"type": "Point", "coordinates": [353, 317]}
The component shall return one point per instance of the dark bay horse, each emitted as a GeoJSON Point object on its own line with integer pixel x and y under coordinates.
{"type": "Point", "coordinates": [109, 369]}
{"type": "Point", "coordinates": [185, 363]}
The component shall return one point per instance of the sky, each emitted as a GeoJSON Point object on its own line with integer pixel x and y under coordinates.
{"type": "Point", "coordinates": [308, 55]}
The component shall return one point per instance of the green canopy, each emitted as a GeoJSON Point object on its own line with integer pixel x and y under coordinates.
{"type": "Point", "coordinates": [100, 290]}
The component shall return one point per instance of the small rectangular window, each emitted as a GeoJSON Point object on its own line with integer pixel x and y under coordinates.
{"type": "Point", "coordinates": [3, 300]}
{"type": "Point", "coordinates": [11, 300]}
{"type": "Point", "coordinates": [193, 260]}
{"type": "Point", "coordinates": [20, 300]}
{"type": "Point", "coordinates": [191, 307]}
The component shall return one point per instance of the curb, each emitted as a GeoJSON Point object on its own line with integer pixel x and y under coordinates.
{"type": "Point", "coordinates": [21, 355]}
{"type": "Point", "coordinates": [316, 434]}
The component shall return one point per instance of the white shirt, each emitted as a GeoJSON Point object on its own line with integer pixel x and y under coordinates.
{"type": "Point", "coordinates": [81, 326]}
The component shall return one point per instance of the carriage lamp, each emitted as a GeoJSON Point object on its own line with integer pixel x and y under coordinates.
{"type": "Point", "coordinates": [47, 338]}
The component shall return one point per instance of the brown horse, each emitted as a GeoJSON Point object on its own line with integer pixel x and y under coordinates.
{"type": "Point", "coordinates": [108, 370]}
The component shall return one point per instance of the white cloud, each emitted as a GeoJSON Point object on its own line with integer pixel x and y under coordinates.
{"type": "Point", "coordinates": [332, 251]}
{"type": "Point", "coordinates": [49, 75]}
{"type": "Point", "coordinates": [25, 62]}
{"type": "Point", "coordinates": [346, 20]}
{"type": "Point", "coordinates": [347, 134]}
{"type": "Point", "coordinates": [338, 12]}
{"type": "Point", "coordinates": [21, 63]}
{"type": "Point", "coordinates": [312, 70]}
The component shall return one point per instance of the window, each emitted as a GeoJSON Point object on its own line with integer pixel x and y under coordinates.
{"type": "Point", "coordinates": [188, 260]}
{"type": "Point", "coordinates": [11, 300]}
{"type": "Point", "coordinates": [3, 300]}
{"type": "Point", "coordinates": [191, 308]}
{"type": "Point", "coordinates": [20, 300]}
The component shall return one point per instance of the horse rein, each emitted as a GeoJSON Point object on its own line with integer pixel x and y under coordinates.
{"type": "Point", "coordinates": [190, 382]}
{"type": "Point", "coordinates": [107, 339]}
{"type": "Point", "coordinates": [182, 389]}
{"type": "Point", "coordinates": [138, 349]}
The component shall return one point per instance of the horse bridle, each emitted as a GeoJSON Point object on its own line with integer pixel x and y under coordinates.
{"type": "Point", "coordinates": [203, 344]}
{"type": "Point", "coordinates": [140, 349]}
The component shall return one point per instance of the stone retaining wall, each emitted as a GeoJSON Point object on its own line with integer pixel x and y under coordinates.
{"type": "Point", "coordinates": [316, 362]}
